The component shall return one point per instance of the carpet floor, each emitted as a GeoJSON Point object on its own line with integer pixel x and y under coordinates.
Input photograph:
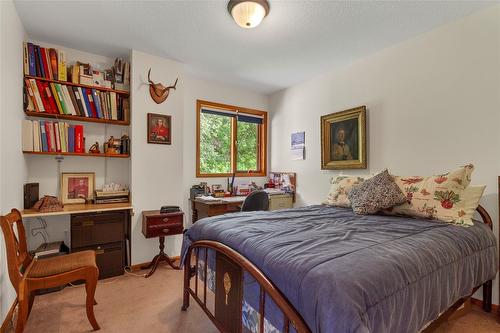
{"type": "Point", "coordinates": [134, 304]}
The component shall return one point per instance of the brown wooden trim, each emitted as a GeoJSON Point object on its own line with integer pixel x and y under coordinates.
{"type": "Point", "coordinates": [262, 158]}
{"type": "Point", "coordinates": [77, 118]}
{"type": "Point", "coordinates": [76, 154]}
{"type": "Point", "coordinates": [7, 322]}
{"type": "Point", "coordinates": [137, 267]}
{"type": "Point", "coordinates": [494, 307]}
{"type": "Point", "coordinates": [66, 83]}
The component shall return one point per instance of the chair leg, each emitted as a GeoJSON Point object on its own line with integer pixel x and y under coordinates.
{"type": "Point", "coordinates": [31, 300]}
{"type": "Point", "coordinates": [22, 314]}
{"type": "Point", "coordinates": [90, 286]}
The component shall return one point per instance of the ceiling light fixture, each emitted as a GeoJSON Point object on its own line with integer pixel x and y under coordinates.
{"type": "Point", "coordinates": [248, 13]}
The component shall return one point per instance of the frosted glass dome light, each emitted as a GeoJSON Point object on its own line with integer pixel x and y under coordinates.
{"type": "Point", "coordinates": [248, 13]}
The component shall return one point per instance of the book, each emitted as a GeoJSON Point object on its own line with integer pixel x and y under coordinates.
{"type": "Point", "coordinates": [71, 139]}
{"type": "Point", "coordinates": [50, 97]}
{"type": "Point", "coordinates": [75, 73]}
{"type": "Point", "coordinates": [26, 63]}
{"type": "Point", "coordinates": [49, 132]}
{"type": "Point", "coordinates": [64, 108]}
{"type": "Point", "coordinates": [43, 136]}
{"type": "Point", "coordinates": [67, 100]}
{"type": "Point", "coordinates": [56, 98]}
{"type": "Point", "coordinates": [31, 59]}
{"type": "Point", "coordinates": [27, 132]}
{"type": "Point", "coordinates": [53, 63]}
{"type": "Point", "coordinates": [62, 136]}
{"type": "Point", "coordinates": [61, 66]}
{"type": "Point", "coordinates": [65, 134]}
{"type": "Point", "coordinates": [73, 100]}
{"type": "Point", "coordinates": [43, 96]}
{"type": "Point", "coordinates": [47, 62]}
{"type": "Point", "coordinates": [114, 111]}
{"type": "Point", "coordinates": [85, 112]}
{"type": "Point", "coordinates": [97, 103]}
{"type": "Point", "coordinates": [31, 95]}
{"type": "Point", "coordinates": [36, 93]}
{"type": "Point", "coordinates": [91, 102]}
{"type": "Point", "coordinates": [57, 137]}
{"type": "Point", "coordinates": [79, 148]}
{"type": "Point", "coordinates": [85, 97]}
{"type": "Point", "coordinates": [27, 100]}
{"type": "Point", "coordinates": [37, 140]}
{"type": "Point", "coordinates": [44, 63]}
{"type": "Point", "coordinates": [37, 61]}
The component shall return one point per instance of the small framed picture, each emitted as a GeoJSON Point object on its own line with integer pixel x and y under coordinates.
{"type": "Point", "coordinates": [77, 187]}
{"type": "Point", "coordinates": [159, 128]}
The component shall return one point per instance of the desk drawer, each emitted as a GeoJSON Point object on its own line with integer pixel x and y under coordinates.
{"type": "Point", "coordinates": [99, 228]}
{"type": "Point", "coordinates": [280, 202]}
{"type": "Point", "coordinates": [110, 258]}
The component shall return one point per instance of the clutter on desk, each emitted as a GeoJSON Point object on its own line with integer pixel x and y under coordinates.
{"type": "Point", "coordinates": [48, 204]}
{"type": "Point", "coordinates": [112, 193]}
{"type": "Point", "coordinates": [284, 181]}
{"type": "Point", "coordinates": [31, 191]}
{"type": "Point", "coordinates": [198, 190]}
{"type": "Point", "coordinates": [218, 191]}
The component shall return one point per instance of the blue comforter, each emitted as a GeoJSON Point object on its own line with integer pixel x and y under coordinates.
{"type": "Point", "coordinates": [350, 273]}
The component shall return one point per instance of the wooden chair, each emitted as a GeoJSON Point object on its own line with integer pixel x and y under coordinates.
{"type": "Point", "coordinates": [28, 274]}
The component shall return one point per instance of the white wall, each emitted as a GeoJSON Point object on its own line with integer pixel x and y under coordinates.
{"type": "Point", "coordinates": [197, 88]}
{"type": "Point", "coordinates": [12, 163]}
{"type": "Point", "coordinates": [156, 171]}
{"type": "Point", "coordinates": [433, 104]}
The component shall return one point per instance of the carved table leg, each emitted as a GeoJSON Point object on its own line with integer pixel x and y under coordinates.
{"type": "Point", "coordinates": [162, 256]}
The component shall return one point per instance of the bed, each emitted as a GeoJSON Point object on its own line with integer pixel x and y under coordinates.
{"type": "Point", "coordinates": [325, 269]}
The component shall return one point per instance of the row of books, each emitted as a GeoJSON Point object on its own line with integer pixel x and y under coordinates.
{"type": "Point", "coordinates": [48, 136]}
{"type": "Point", "coordinates": [50, 63]}
{"type": "Point", "coordinates": [44, 62]}
{"type": "Point", "coordinates": [58, 98]}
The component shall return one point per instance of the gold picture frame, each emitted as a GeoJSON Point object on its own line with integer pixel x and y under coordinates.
{"type": "Point", "coordinates": [343, 139]}
{"type": "Point", "coordinates": [77, 187]}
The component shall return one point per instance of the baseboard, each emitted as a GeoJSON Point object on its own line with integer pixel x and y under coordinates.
{"type": "Point", "coordinates": [478, 302]}
{"type": "Point", "coordinates": [8, 318]}
{"type": "Point", "coordinates": [137, 267]}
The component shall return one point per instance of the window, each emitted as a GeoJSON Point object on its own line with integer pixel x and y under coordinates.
{"type": "Point", "coordinates": [230, 139]}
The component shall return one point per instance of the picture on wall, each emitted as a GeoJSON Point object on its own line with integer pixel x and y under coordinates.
{"type": "Point", "coordinates": [159, 128]}
{"type": "Point", "coordinates": [77, 187]}
{"type": "Point", "coordinates": [343, 139]}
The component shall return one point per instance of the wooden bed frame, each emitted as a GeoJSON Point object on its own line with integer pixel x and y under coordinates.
{"type": "Point", "coordinates": [228, 300]}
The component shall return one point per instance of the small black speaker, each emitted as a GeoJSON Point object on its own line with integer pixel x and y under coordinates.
{"type": "Point", "coordinates": [30, 195]}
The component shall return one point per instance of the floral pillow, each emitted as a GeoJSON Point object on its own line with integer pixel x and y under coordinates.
{"type": "Point", "coordinates": [435, 197]}
{"type": "Point", "coordinates": [341, 185]}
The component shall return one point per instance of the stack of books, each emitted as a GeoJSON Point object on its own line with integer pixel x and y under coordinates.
{"type": "Point", "coordinates": [43, 62]}
{"type": "Point", "coordinates": [48, 136]}
{"type": "Point", "coordinates": [56, 98]}
{"type": "Point", "coordinates": [106, 197]}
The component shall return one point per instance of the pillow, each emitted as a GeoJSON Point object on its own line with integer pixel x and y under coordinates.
{"type": "Point", "coordinates": [435, 197]}
{"type": "Point", "coordinates": [469, 203]}
{"type": "Point", "coordinates": [341, 185]}
{"type": "Point", "coordinates": [376, 193]}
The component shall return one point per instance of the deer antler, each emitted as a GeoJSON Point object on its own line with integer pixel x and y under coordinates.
{"type": "Point", "coordinates": [173, 87]}
{"type": "Point", "coordinates": [149, 73]}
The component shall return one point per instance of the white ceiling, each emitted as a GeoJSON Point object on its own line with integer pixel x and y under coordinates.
{"type": "Point", "coordinates": [296, 41]}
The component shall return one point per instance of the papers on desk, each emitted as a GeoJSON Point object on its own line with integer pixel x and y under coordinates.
{"type": "Point", "coordinates": [272, 191]}
{"type": "Point", "coordinates": [207, 198]}
{"type": "Point", "coordinates": [233, 199]}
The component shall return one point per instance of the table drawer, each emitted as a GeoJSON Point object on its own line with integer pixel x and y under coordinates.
{"type": "Point", "coordinates": [165, 229]}
{"type": "Point", "coordinates": [99, 228]}
{"type": "Point", "coordinates": [164, 220]}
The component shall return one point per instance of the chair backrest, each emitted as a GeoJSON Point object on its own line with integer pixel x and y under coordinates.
{"type": "Point", "coordinates": [18, 258]}
{"type": "Point", "coordinates": [257, 200]}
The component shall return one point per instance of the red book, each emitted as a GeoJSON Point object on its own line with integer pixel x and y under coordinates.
{"type": "Point", "coordinates": [49, 131]}
{"type": "Point", "coordinates": [43, 96]}
{"type": "Point", "coordinates": [50, 97]}
{"type": "Point", "coordinates": [79, 148]}
{"type": "Point", "coordinates": [44, 63]}
{"type": "Point", "coordinates": [91, 102]}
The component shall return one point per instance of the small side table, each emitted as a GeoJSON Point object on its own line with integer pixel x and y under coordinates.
{"type": "Point", "coordinates": [159, 225]}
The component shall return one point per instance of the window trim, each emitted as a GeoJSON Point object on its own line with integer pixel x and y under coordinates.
{"type": "Point", "coordinates": [262, 156]}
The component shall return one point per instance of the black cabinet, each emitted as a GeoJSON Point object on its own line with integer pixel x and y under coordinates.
{"type": "Point", "coordinates": [106, 233]}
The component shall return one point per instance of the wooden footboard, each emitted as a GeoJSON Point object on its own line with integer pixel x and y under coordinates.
{"type": "Point", "coordinates": [229, 269]}
{"type": "Point", "coordinates": [226, 290]}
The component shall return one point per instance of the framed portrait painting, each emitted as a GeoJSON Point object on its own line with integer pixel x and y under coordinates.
{"type": "Point", "coordinates": [159, 128]}
{"type": "Point", "coordinates": [343, 139]}
{"type": "Point", "coordinates": [77, 187]}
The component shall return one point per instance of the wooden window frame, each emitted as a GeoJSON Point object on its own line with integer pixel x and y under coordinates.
{"type": "Point", "coordinates": [262, 154]}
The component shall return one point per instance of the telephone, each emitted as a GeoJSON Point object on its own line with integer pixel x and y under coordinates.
{"type": "Point", "coordinates": [169, 209]}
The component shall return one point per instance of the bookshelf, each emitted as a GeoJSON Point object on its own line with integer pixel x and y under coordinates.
{"type": "Point", "coordinates": [67, 83]}
{"type": "Point", "coordinates": [77, 118]}
{"type": "Point", "coordinates": [76, 154]}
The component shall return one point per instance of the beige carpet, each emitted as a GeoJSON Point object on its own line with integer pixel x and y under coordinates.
{"type": "Point", "coordinates": [134, 304]}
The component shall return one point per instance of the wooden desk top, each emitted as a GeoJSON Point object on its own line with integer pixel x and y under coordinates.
{"type": "Point", "coordinates": [222, 201]}
{"type": "Point", "coordinates": [78, 208]}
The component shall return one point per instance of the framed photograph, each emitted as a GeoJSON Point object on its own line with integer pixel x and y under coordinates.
{"type": "Point", "coordinates": [159, 129]}
{"type": "Point", "coordinates": [77, 187]}
{"type": "Point", "coordinates": [343, 139]}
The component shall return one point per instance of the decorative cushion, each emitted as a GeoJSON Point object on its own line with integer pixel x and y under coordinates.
{"type": "Point", "coordinates": [435, 197]}
{"type": "Point", "coordinates": [376, 193]}
{"type": "Point", "coordinates": [469, 203]}
{"type": "Point", "coordinates": [341, 185]}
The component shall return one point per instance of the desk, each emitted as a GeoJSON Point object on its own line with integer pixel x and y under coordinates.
{"type": "Point", "coordinates": [203, 208]}
{"type": "Point", "coordinates": [104, 228]}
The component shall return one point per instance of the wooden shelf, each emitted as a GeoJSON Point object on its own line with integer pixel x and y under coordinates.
{"type": "Point", "coordinates": [121, 92]}
{"type": "Point", "coordinates": [77, 118]}
{"type": "Point", "coordinates": [76, 154]}
{"type": "Point", "coordinates": [79, 208]}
